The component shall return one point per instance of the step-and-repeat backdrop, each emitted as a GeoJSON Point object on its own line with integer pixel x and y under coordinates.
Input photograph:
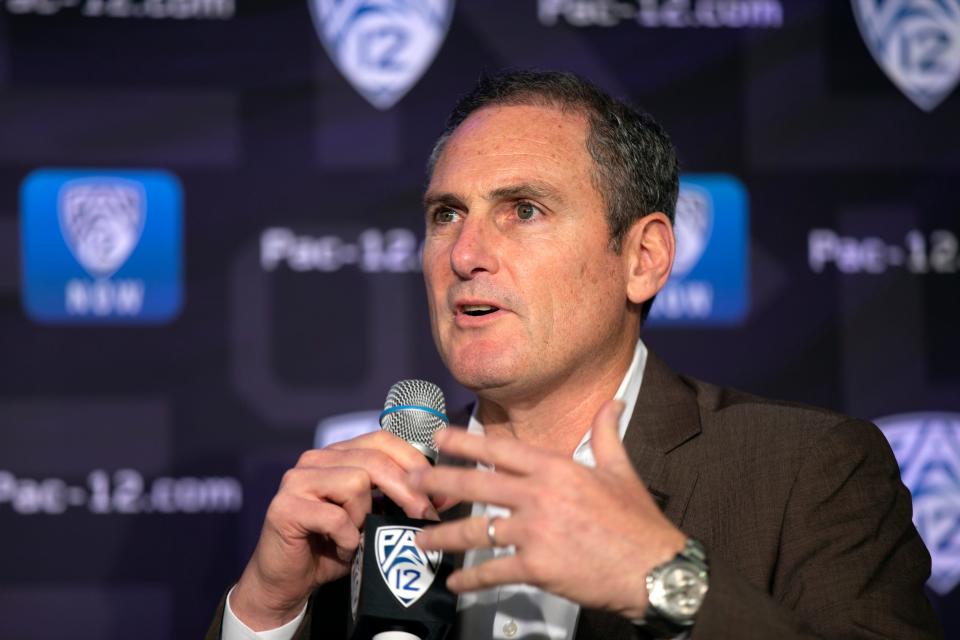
{"type": "Point", "coordinates": [210, 231]}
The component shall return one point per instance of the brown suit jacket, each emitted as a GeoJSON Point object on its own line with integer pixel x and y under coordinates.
{"type": "Point", "coordinates": [806, 523]}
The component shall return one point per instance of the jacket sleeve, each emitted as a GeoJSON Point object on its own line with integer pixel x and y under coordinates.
{"type": "Point", "coordinates": [850, 562]}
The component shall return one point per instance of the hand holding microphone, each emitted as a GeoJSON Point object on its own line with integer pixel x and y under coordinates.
{"type": "Point", "coordinates": [313, 525]}
{"type": "Point", "coordinates": [398, 591]}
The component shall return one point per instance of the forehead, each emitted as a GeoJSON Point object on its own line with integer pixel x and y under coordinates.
{"type": "Point", "coordinates": [517, 142]}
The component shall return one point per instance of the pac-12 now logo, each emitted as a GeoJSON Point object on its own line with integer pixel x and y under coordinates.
{"type": "Point", "coordinates": [408, 570]}
{"type": "Point", "coordinates": [709, 282]}
{"type": "Point", "coordinates": [101, 247]}
{"type": "Point", "coordinates": [916, 43]}
{"type": "Point", "coordinates": [382, 47]}
{"type": "Point", "coordinates": [927, 447]}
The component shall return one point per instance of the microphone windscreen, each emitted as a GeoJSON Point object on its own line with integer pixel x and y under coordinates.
{"type": "Point", "coordinates": [414, 411]}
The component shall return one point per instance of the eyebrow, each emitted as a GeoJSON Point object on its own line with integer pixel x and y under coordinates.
{"type": "Point", "coordinates": [520, 191]}
{"type": "Point", "coordinates": [446, 199]}
{"type": "Point", "coordinates": [536, 190]}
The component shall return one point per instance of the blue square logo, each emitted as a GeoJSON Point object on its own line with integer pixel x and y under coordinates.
{"type": "Point", "coordinates": [101, 247]}
{"type": "Point", "coordinates": [709, 285]}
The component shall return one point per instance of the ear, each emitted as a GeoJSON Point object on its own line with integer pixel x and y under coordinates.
{"type": "Point", "coordinates": [648, 250]}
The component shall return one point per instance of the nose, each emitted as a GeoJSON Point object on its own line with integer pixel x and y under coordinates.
{"type": "Point", "coordinates": [474, 251]}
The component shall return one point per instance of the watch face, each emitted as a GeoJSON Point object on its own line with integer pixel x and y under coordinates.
{"type": "Point", "coordinates": [679, 591]}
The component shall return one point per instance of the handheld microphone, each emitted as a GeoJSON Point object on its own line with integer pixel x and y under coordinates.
{"type": "Point", "coordinates": [397, 590]}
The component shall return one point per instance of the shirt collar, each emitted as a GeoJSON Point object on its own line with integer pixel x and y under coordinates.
{"type": "Point", "coordinates": [626, 393]}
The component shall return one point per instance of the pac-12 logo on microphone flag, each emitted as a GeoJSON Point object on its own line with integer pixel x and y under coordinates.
{"type": "Point", "coordinates": [408, 570]}
{"type": "Point", "coordinates": [101, 246]}
{"type": "Point", "coordinates": [916, 43]}
{"type": "Point", "coordinates": [927, 447]}
{"type": "Point", "coordinates": [382, 47]}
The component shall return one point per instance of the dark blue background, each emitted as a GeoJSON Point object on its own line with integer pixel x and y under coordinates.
{"type": "Point", "coordinates": [261, 129]}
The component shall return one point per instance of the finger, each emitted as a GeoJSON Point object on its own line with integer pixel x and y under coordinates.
{"type": "Point", "coordinates": [384, 472]}
{"type": "Point", "coordinates": [349, 487]}
{"type": "Point", "coordinates": [605, 435]}
{"type": "Point", "coordinates": [299, 517]}
{"type": "Point", "coordinates": [473, 485]}
{"type": "Point", "coordinates": [334, 455]}
{"type": "Point", "coordinates": [464, 534]}
{"type": "Point", "coordinates": [506, 454]}
{"type": "Point", "coordinates": [442, 503]}
{"type": "Point", "coordinates": [400, 451]}
{"type": "Point", "coordinates": [492, 573]}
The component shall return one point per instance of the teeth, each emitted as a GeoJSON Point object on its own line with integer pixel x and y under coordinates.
{"type": "Point", "coordinates": [477, 307]}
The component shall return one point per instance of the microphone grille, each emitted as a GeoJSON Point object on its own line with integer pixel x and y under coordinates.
{"type": "Point", "coordinates": [414, 411]}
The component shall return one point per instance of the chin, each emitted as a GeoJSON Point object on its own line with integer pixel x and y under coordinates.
{"type": "Point", "coordinates": [479, 371]}
{"type": "Point", "coordinates": [479, 378]}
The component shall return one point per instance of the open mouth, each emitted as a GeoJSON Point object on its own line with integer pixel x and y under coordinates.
{"type": "Point", "coordinates": [477, 310]}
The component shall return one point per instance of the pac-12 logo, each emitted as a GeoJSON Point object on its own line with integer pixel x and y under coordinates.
{"type": "Point", "coordinates": [927, 447]}
{"type": "Point", "coordinates": [709, 281]}
{"type": "Point", "coordinates": [382, 47]}
{"type": "Point", "coordinates": [101, 246]}
{"type": "Point", "coordinates": [916, 43]}
{"type": "Point", "coordinates": [407, 570]}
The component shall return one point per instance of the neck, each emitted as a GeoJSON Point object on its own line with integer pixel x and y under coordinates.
{"type": "Point", "coordinates": [556, 417]}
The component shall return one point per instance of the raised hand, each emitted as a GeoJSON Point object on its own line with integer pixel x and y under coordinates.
{"type": "Point", "coordinates": [588, 534]}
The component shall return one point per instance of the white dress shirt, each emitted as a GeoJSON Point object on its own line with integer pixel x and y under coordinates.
{"type": "Point", "coordinates": [508, 612]}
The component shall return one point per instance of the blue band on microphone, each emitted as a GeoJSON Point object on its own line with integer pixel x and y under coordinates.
{"type": "Point", "coordinates": [413, 407]}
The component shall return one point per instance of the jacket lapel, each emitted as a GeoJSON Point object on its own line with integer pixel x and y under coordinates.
{"type": "Point", "coordinates": [666, 417]}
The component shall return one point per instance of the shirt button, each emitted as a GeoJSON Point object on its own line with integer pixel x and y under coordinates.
{"type": "Point", "coordinates": [510, 629]}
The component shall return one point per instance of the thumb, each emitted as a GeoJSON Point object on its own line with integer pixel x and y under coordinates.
{"type": "Point", "coordinates": [605, 435]}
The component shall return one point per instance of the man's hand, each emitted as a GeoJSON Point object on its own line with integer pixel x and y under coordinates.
{"type": "Point", "coordinates": [312, 527]}
{"type": "Point", "coordinates": [589, 535]}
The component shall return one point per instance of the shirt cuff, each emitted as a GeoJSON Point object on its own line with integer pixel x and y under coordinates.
{"type": "Point", "coordinates": [234, 629]}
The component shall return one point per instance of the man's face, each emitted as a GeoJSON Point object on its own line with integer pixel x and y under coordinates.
{"type": "Point", "coordinates": [525, 292]}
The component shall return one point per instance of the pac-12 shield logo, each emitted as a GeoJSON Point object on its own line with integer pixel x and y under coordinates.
{"type": "Point", "coordinates": [927, 447]}
{"type": "Point", "coordinates": [709, 283]}
{"type": "Point", "coordinates": [407, 570]}
{"type": "Point", "coordinates": [101, 246]}
{"type": "Point", "coordinates": [382, 47]}
{"type": "Point", "coordinates": [916, 43]}
{"type": "Point", "coordinates": [101, 220]}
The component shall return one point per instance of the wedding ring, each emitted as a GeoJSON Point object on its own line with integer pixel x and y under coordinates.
{"type": "Point", "coordinates": [492, 531]}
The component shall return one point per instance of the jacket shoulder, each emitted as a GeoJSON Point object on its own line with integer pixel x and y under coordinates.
{"type": "Point", "coordinates": [733, 410]}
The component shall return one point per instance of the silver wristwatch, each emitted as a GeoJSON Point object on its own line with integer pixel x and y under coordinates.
{"type": "Point", "coordinates": [676, 590]}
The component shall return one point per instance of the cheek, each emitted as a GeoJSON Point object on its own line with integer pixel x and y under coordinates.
{"type": "Point", "coordinates": [598, 289]}
{"type": "Point", "coordinates": [557, 299]}
{"type": "Point", "coordinates": [433, 274]}
{"type": "Point", "coordinates": [436, 297]}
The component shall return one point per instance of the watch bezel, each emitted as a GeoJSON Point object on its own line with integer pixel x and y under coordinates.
{"type": "Point", "coordinates": [692, 561]}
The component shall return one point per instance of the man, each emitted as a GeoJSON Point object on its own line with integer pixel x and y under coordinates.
{"type": "Point", "coordinates": [549, 232]}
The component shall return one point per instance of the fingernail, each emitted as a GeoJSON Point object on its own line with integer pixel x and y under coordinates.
{"type": "Point", "coordinates": [421, 540]}
{"type": "Point", "coordinates": [430, 513]}
{"type": "Point", "coordinates": [618, 406]}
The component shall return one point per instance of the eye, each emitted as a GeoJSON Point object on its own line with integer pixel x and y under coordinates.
{"type": "Point", "coordinates": [527, 211]}
{"type": "Point", "coordinates": [445, 215]}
